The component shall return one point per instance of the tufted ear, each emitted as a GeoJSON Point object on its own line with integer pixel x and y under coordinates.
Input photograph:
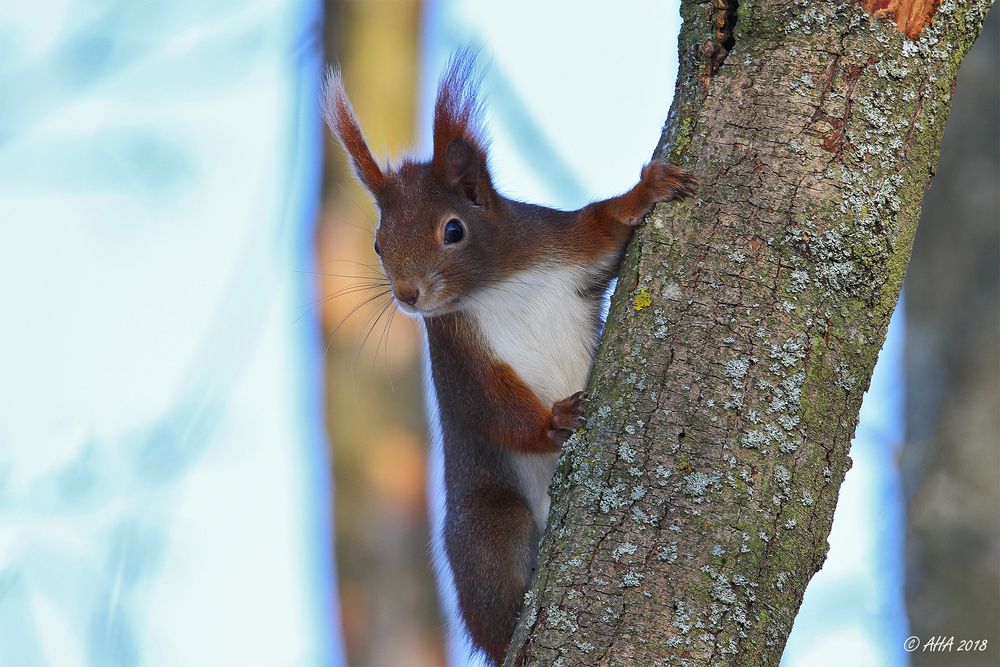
{"type": "Point", "coordinates": [340, 117]}
{"type": "Point", "coordinates": [459, 149]}
{"type": "Point", "coordinates": [466, 171]}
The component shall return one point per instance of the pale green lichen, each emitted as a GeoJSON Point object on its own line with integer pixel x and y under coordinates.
{"type": "Point", "coordinates": [837, 276]}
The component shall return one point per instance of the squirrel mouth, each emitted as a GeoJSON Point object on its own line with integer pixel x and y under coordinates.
{"type": "Point", "coordinates": [448, 306]}
{"type": "Point", "coordinates": [408, 309]}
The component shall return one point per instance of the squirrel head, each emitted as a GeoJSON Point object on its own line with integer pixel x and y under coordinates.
{"type": "Point", "coordinates": [440, 228]}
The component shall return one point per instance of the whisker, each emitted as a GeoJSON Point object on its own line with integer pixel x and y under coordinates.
{"type": "Point", "coordinates": [469, 296]}
{"type": "Point", "coordinates": [505, 290]}
{"type": "Point", "coordinates": [351, 224]}
{"type": "Point", "coordinates": [460, 276]}
{"type": "Point", "coordinates": [350, 198]}
{"type": "Point", "coordinates": [373, 319]}
{"type": "Point", "coordinates": [352, 311]}
{"type": "Point", "coordinates": [438, 265]}
{"type": "Point", "coordinates": [373, 267]}
{"type": "Point", "coordinates": [329, 297]}
{"type": "Point", "coordinates": [357, 354]}
{"type": "Point", "coordinates": [345, 275]}
{"type": "Point", "coordinates": [384, 338]}
{"type": "Point", "coordinates": [385, 356]}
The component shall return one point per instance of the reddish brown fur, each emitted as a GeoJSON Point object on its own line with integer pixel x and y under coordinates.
{"type": "Point", "coordinates": [489, 416]}
{"type": "Point", "coordinates": [506, 411]}
{"type": "Point", "coordinates": [457, 110]}
{"type": "Point", "coordinates": [605, 225]}
{"type": "Point", "coordinates": [501, 566]}
{"type": "Point", "coordinates": [340, 118]}
{"type": "Point", "coordinates": [524, 423]}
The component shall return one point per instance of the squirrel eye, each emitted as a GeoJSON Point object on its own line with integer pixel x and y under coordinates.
{"type": "Point", "coordinates": [454, 231]}
{"type": "Point", "coordinates": [378, 251]}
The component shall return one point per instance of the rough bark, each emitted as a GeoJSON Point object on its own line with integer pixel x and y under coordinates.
{"type": "Point", "coordinates": [692, 511]}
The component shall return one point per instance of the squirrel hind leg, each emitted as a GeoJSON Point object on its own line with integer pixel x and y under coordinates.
{"type": "Point", "coordinates": [492, 544]}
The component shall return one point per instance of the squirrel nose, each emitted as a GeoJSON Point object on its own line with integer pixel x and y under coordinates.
{"type": "Point", "coordinates": [408, 294]}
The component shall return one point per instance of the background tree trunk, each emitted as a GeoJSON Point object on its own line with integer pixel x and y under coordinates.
{"type": "Point", "coordinates": [951, 462]}
{"type": "Point", "coordinates": [690, 515]}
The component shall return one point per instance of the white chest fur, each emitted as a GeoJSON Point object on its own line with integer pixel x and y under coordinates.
{"type": "Point", "coordinates": [538, 323]}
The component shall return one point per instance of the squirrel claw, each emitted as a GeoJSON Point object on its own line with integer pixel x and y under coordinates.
{"type": "Point", "coordinates": [567, 416]}
{"type": "Point", "coordinates": [665, 181]}
{"type": "Point", "coordinates": [659, 182]}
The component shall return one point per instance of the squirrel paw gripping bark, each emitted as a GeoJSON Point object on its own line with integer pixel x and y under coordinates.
{"type": "Point", "coordinates": [659, 182]}
{"type": "Point", "coordinates": [567, 416]}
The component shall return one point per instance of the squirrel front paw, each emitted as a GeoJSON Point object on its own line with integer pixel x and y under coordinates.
{"type": "Point", "coordinates": [567, 416]}
{"type": "Point", "coordinates": [665, 181]}
{"type": "Point", "coordinates": [661, 181]}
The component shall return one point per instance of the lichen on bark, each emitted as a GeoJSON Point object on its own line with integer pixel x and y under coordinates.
{"type": "Point", "coordinates": [692, 511]}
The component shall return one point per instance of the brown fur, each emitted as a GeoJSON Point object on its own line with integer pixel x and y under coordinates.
{"type": "Point", "coordinates": [489, 415]}
{"type": "Point", "coordinates": [340, 118]}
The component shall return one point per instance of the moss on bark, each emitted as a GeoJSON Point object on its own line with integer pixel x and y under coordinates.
{"type": "Point", "coordinates": [691, 513]}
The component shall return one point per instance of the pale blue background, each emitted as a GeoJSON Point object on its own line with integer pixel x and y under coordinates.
{"type": "Point", "coordinates": [163, 479]}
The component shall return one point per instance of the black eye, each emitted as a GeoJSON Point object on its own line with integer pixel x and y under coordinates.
{"type": "Point", "coordinates": [454, 231]}
{"type": "Point", "coordinates": [377, 250]}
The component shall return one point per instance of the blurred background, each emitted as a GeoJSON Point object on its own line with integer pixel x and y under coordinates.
{"type": "Point", "coordinates": [213, 446]}
{"type": "Point", "coordinates": [164, 478]}
{"type": "Point", "coordinates": [916, 543]}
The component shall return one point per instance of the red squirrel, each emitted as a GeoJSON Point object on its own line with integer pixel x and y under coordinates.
{"type": "Point", "coordinates": [510, 297]}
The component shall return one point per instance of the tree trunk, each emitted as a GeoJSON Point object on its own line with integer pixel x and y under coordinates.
{"type": "Point", "coordinates": [689, 516]}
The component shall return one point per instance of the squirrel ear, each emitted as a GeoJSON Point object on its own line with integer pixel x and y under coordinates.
{"type": "Point", "coordinates": [459, 149]}
{"type": "Point", "coordinates": [465, 168]}
{"type": "Point", "coordinates": [340, 117]}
